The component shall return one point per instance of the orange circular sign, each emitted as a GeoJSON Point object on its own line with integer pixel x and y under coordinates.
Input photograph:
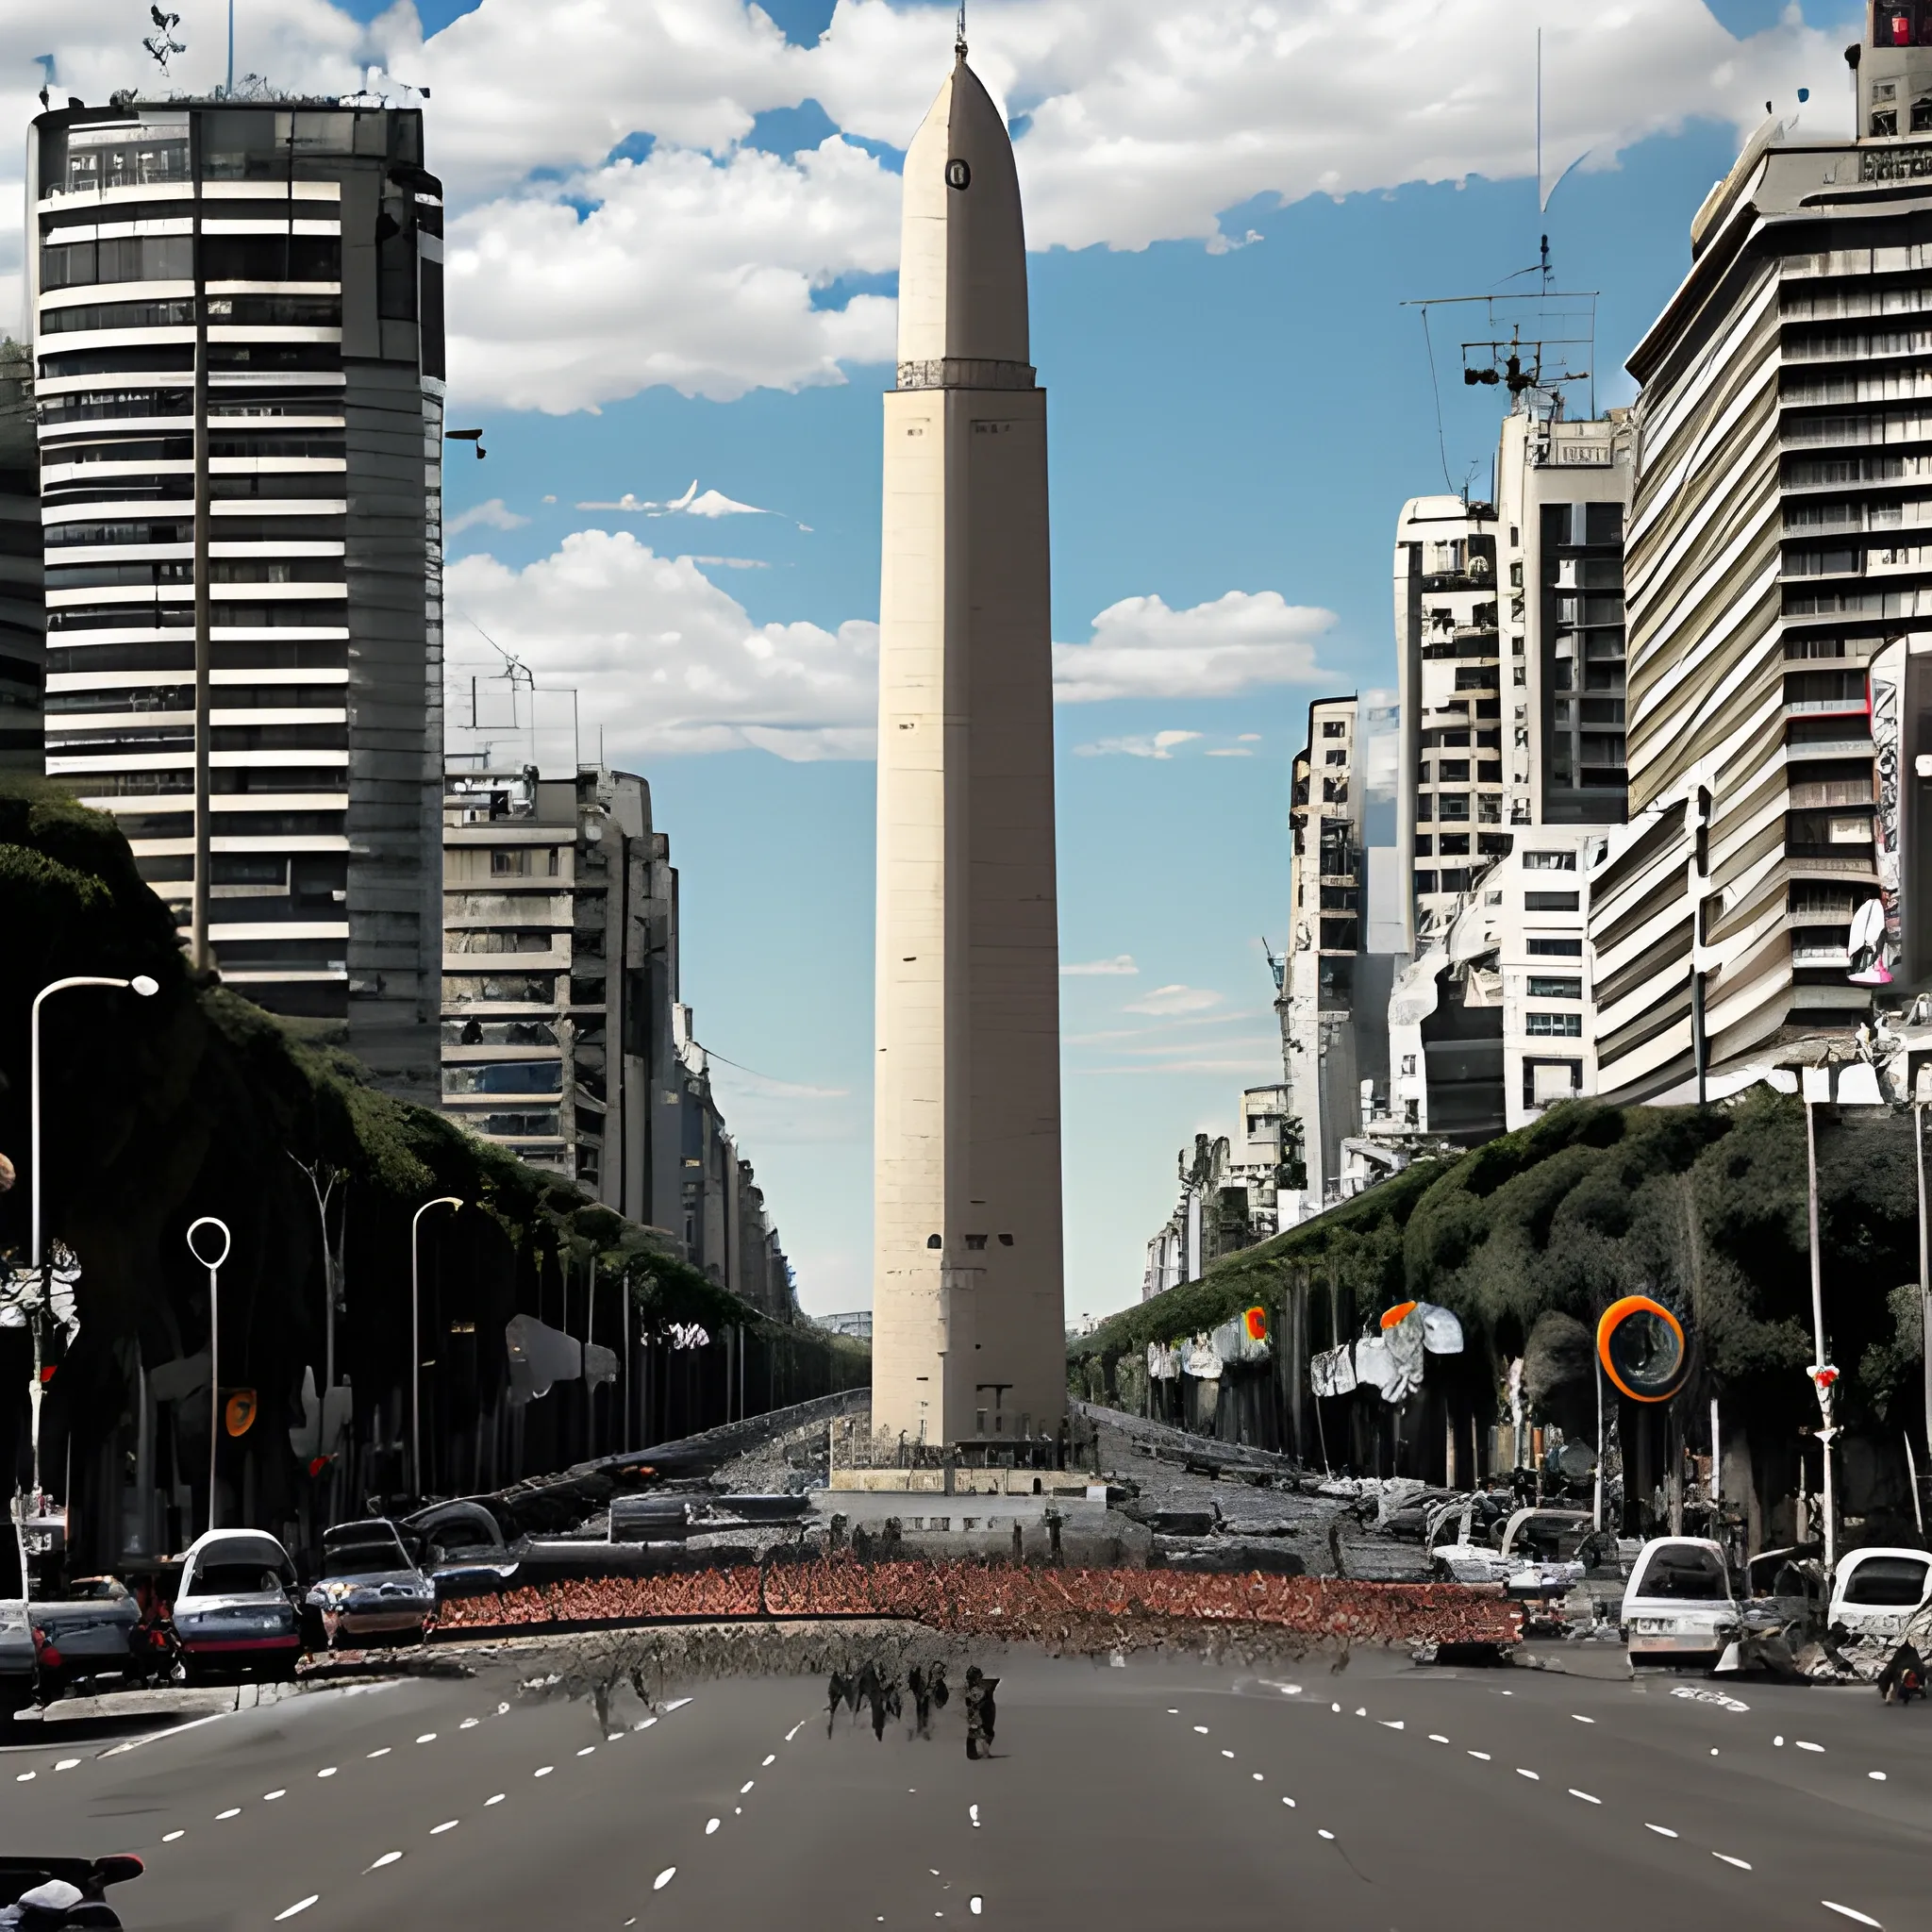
{"type": "Point", "coordinates": [1399, 1312]}
{"type": "Point", "coordinates": [1642, 1346]}
{"type": "Point", "coordinates": [240, 1411]}
{"type": "Point", "coordinates": [1256, 1320]}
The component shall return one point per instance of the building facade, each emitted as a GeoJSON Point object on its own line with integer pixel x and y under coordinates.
{"type": "Point", "coordinates": [1233, 1188]}
{"type": "Point", "coordinates": [565, 1039]}
{"type": "Point", "coordinates": [1510, 643]}
{"type": "Point", "coordinates": [1770, 887]}
{"type": "Point", "coordinates": [237, 322]}
{"type": "Point", "coordinates": [23, 594]}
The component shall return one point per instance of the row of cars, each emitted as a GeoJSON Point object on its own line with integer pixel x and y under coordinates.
{"type": "Point", "coordinates": [237, 1607]}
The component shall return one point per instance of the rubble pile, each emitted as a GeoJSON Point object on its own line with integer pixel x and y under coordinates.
{"type": "Point", "coordinates": [1018, 1603]}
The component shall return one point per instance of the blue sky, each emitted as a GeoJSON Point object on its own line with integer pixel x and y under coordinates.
{"type": "Point", "coordinates": [1222, 419]}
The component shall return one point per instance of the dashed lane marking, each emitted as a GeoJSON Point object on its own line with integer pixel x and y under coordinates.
{"type": "Point", "coordinates": [233, 1811]}
{"type": "Point", "coordinates": [1585, 1797]}
{"type": "Point", "coordinates": [447, 1824]}
{"type": "Point", "coordinates": [300, 1905]}
{"type": "Point", "coordinates": [1848, 1912]}
{"type": "Point", "coordinates": [1661, 1830]}
{"type": "Point", "coordinates": [1725, 1857]}
{"type": "Point", "coordinates": [387, 1859]}
{"type": "Point", "coordinates": [664, 1878]}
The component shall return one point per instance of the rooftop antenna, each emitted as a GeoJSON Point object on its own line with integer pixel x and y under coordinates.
{"type": "Point", "coordinates": [959, 32]}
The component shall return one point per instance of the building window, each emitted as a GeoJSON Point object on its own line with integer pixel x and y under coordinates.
{"type": "Point", "coordinates": [1549, 861]}
{"type": "Point", "coordinates": [1424, 845]}
{"type": "Point", "coordinates": [1334, 727]}
{"type": "Point", "coordinates": [1553, 1026]}
{"type": "Point", "coordinates": [1546, 989]}
{"type": "Point", "coordinates": [510, 865]}
{"type": "Point", "coordinates": [1551, 902]}
{"type": "Point", "coordinates": [1454, 804]}
{"type": "Point", "coordinates": [1455, 844]}
{"type": "Point", "coordinates": [1546, 948]}
{"type": "Point", "coordinates": [1425, 882]}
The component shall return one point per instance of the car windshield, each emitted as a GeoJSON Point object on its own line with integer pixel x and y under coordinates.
{"type": "Point", "coordinates": [96, 1590]}
{"type": "Point", "coordinates": [1896, 1581]}
{"type": "Point", "coordinates": [364, 1559]}
{"type": "Point", "coordinates": [1685, 1571]}
{"type": "Point", "coordinates": [241, 1568]}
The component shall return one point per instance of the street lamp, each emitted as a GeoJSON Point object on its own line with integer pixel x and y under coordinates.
{"type": "Point", "coordinates": [1817, 1087]}
{"type": "Point", "coordinates": [147, 988]}
{"type": "Point", "coordinates": [415, 1335]}
{"type": "Point", "coordinates": [213, 1263]}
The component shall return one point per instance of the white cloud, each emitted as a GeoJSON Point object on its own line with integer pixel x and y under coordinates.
{"type": "Point", "coordinates": [1146, 120]}
{"type": "Point", "coordinates": [665, 661]}
{"type": "Point", "coordinates": [1142, 649]}
{"type": "Point", "coordinates": [1232, 751]}
{"type": "Point", "coordinates": [1158, 744]}
{"type": "Point", "coordinates": [713, 503]}
{"type": "Point", "coordinates": [690, 271]}
{"type": "Point", "coordinates": [1249, 738]}
{"type": "Point", "coordinates": [492, 515]}
{"type": "Point", "coordinates": [1121, 965]}
{"type": "Point", "coordinates": [1165, 1000]}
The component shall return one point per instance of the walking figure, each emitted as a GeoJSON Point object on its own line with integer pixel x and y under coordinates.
{"type": "Point", "coordinates": [837, 1693]}
{"type": "Point", "coordinates": [883, 1693]}
{"type": "Point", "coordinates": [921, 1702]}
{"type": "Point", "coordinates": [979, 1712]}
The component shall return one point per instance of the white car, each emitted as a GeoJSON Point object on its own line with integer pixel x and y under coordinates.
{"type": "Point", "coordinates": [235, 1606]}
{"type": "Point", "coordinates": [1678, 1606]}
{"type": "Point", "coordinates": [1875, 1590]}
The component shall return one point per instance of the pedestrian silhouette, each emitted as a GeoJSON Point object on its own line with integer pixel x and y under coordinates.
{"type": "Point", "coordinates": [837, 1693]}
{"type": "Point", "coordinates": [979, 1712]}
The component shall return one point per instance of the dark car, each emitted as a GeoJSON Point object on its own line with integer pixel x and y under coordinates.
{"type": "Point", "coordinates": [235, 1606]}
{"type": "Point", "coordinates": [372, 1585]}
{"type": "Point", "coordinates": [88, 1631]}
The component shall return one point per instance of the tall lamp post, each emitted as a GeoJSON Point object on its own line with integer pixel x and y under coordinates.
{"type": "Point", "coordinates": [213, 1263]}
{"type": "Point", "coordinates": [415, 1335]}
{"type": "Point", "coordinates": [36, 1255]}
{"type": "Point", "coordinates": [1921, 1097]}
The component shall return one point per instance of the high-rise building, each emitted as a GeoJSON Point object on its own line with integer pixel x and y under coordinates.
{"type": "Point", "coordinates": [1772, 880]}
{"type": "Point", "coordinates": [1346, 939]}
{"type": "Point", "coordinates": [236, 322]}
{"type": "Point", "coordinates": [968, 1340]}
{"type": "Point", "coordinates": [1509, 636]}
{"type": "Point", "coordinates": [22, 597]}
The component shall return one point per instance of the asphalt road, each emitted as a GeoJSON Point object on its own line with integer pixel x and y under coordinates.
{"type": "Point", "coordinates": [1162, 1795]}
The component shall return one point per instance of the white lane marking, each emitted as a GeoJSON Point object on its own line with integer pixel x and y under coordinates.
{"type": "Point", "coordinates": [326, 1771]}
{"type": "Point", "coordinates": [1256, 1776]}
{"type": "Point", "coordinates": [496, 1800]}
{"type": "Point", "coordinates": [1171, 1711]}
{"type": "Point", "coordinates": [469, 1723]}
{"type": "Point", "coordinates": [1577, 1718]}
{"type": "Point", "coordinates": [1290, 1690]}
{"type": "Point", "coordinates": [1777, 1740]}
{"type": "Point", "coordinates": [168, 1838]}
{"type": "Point", "coordinates": [427, 1737]}
{"type": "Point", "coordinates": [1713, 1750]}
{"type": "Point", "coordinates": [1804, 1744]}
{"type": "Point", "coordinates": [1392, 1724]}
{"type": "Point", "coordinates": [1879, 1775]}
{"type": "Point", "coordinates": [1727, 1860]}
{"type": "Point", "coordinates": [233, 1811]}
{"type": "Point", "coordinates": [794, 1730]}
{"type": "Point", "coordinates": [710, 1825]}
{"type": "Point", "coordinates": [1361, 1711]}
{"type": "Point", "coordinates": [194, 1723]}
{"type": "Point", "coordinates": [447, 1824]}
{"type": "Point", "coordinates": [502, 1710]}
{"type": "Point", "coordinates": [664, 1878]}
{"type": "Point", "coordinates": [1436, 1738]}
{"type": "Point", "coordinates": [387, 1859]}
{"type": "Point", "coordinates": [1661, 1830]}
{"type": "Point", "coordinates": [383, 1753]}
{"type": "Point", "coordinates": [1320, 1833]}
{"type": "Point", "coordinates": [544, 1771]}
{"type": "Point", "coordinates": [66, 1763]}
{"type": "Point", "coordinates": [773, 1759]}
{"type": "Point", "coordinates": [25, 1777]}
{"type": "Point", "coordinates": [301, 1904]}
{"type": "Point", "coordinates": [1227, 1754]}
{"type": "Point", "coordinates": [269, 1797]}
{"type": "Point", "coordinates": [1846, 1911]}
{"type": "Point", "coordinates": [1290, 1803]}
{"type": "Point", "coordinates": [973, 1904]}
{"type": "Point", "coordinates": [587, 1750]}
{"type": "Point", "coordinates": [1584, 1795]}
{"type": "Point", "coordinates": [1483, 1755]}
{"type": "Point", "coordinates": [1336, 1708]}
{"type": "Point", "coordinates": [972, 1812]}
{"type": "Point", "coordinates": [746, 1786]}
{"type": "Point", "coordinates": [1534, 1776]}
{"type": "Point", "coordinates": [1201, 1730]}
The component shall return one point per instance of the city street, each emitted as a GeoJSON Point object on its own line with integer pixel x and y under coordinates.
{"type": "Point", "coordinates": [1384, 1797]}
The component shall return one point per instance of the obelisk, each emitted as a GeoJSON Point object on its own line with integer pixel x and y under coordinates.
{"type": "Point", "coordinates": [968, 1322]}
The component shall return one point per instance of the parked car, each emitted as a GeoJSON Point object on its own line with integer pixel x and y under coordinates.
{"type": "Point", "coordinates": [463, 1550]}
{"type": "Point", "coordinates": [1532, 1552]}
{"type": "Point", "coordinates": [372, 1585]}
{"type": "Point", "coordinates": [1679, 1607]}
{"type": "Point", "coordinates": [88, 1631]}
{"type": "Point", "coordinates": [235, 1606]}
{"type": "Point", "coordinates": [16, 1655]}
{"type": "Point", "coordinates": [1875, 1590]}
